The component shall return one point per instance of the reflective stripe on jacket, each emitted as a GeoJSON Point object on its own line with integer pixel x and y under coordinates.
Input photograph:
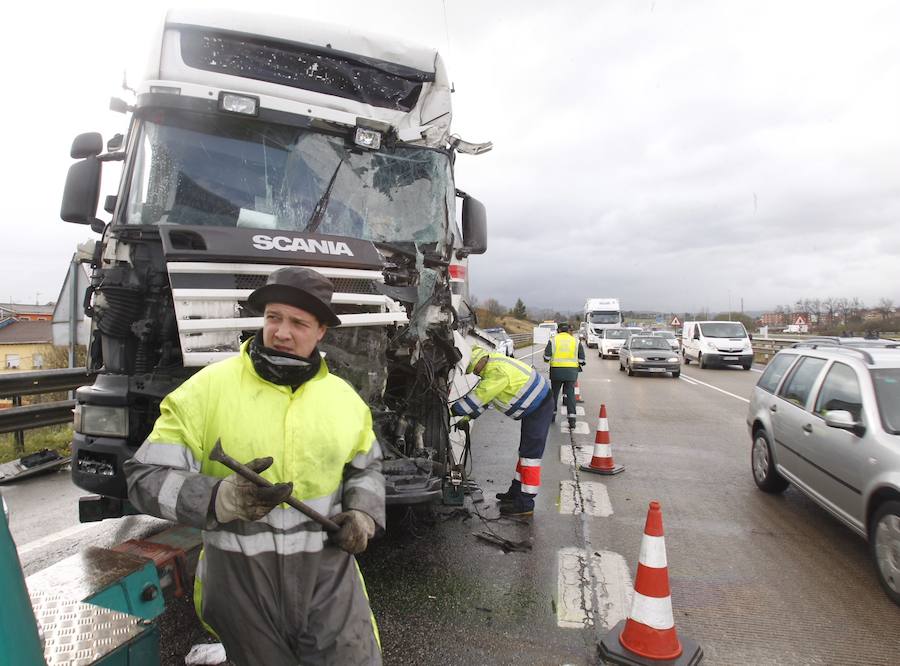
{"type": "Point", "coordinates": [512, 386]}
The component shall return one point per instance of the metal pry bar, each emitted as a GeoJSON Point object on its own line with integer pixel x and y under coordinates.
{"type": "Point", "coordinates": [218, 455]}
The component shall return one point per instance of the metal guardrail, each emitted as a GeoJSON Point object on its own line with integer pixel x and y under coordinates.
{"type": "Point", "coordinates": [521, 339]}
{"type": "Point", "coordinates": [19, 418]}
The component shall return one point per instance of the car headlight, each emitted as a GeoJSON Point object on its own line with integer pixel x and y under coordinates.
{"type": "Point", "coordinates": [101, 421]}
{"type": "Point", "coordinates": [672, 359]}
{"type": "Point", "coordinates": [710, 346]}
{"type": "Point", "coordinates": [637, 358]}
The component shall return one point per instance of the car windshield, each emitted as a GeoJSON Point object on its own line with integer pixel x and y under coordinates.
{"type": "Point", "coordinates": [646, 342]}
{"type": "Point", "coordinates": [198, 169]}
{"type": "Point", "coordinates": [615, 334]}
{"type": "Point", "coordinates": [665, 334]}
{"type": "Point", "coordinates": [723, 329]}
{"type": "Point", "coordinates": [608, 317]}
{"type": "Point", "coordinates": [887, 392]}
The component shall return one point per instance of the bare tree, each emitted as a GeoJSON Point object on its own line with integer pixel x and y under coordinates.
{"type": "Point", "coordinates": [885, 307]}
{"type": "Point", "coordinates": [828, 307]}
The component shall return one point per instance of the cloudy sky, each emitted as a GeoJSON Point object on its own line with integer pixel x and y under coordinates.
{"type": "Point", "coordinates": [676, 155]}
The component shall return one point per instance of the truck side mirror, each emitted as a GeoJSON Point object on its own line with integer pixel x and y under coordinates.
{"type": "Point", "coordinates": [82, 190]}
{"type": "Point", "coordinates": [89, 144]}
{"type": "Point", "coordinates": [474, 225]}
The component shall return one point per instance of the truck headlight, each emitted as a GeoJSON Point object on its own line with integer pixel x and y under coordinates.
{"type": "Point", "coordinates": [101, 421]}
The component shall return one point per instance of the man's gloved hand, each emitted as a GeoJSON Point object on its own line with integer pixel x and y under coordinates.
{"type": "Point", "coordinates": [462, 423]}
{"type": "Point", "coordinates": [240, 499]}
{"type": "Point", "coordinates": [357, 528]}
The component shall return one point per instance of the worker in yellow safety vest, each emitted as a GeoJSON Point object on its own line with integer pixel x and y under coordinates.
{"type": "Point", "coordinates": [565, 354]}
{"type": "Point", "coordinates": [269, 583]}
{"type": "Point", "coordinates": [517, 390]}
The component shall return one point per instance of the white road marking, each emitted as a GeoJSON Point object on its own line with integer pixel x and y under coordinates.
{"type": "Point", "coordinates": [583, 454]}
{"type": "Point", "coordinates": [67, 533]}
{"type": "Point", "coordinates": [574, 605]}
{"type": "Point", "coordinates": [714, 388]}
{"type": "Point", "coordinates": [688, 380]}
{"type": "Point", "coordinates": [593, 499]}
{"type": "Point", "coordinates": [581, 428]}
{"type": "Point", "coordinates": [528, 355]}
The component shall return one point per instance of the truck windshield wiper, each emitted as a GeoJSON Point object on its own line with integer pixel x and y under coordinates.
{"type": "Point", "coordinates": [319, 212]}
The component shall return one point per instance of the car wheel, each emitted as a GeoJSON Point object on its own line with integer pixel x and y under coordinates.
{"type": "Point", "coordinates": [747, 366]}
{"type": "Point", "coordinates": [687, 361]}
{"type": "Point", "coordinates": [676, 375]}
{"type": "Point", "coordinates": [701, 362]}
{"type": "Point", "coordinates": [884, 540]}
{"type": "Point", "coordinates": [765, 475]}
{"type": "Point", "coordinates": [630, 370]}
{"type": "Point", "coordinates": [621, 367]}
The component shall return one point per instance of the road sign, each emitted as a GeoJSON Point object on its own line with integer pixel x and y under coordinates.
{"type": "Point", "coordinates": [675, 321]}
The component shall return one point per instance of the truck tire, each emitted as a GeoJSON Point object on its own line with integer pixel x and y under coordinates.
{"type": "Point", "coordinates": [701, 362]}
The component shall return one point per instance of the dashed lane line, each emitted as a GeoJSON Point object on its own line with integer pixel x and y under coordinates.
{"type": "Point", "coordinates": [694, 380]}
{"type": "Point", "coordinates": [575, 603]}
{"type": "Point", "coordinates": [581, 428]}
{"type": "Point", "coordinates": [591, 497]}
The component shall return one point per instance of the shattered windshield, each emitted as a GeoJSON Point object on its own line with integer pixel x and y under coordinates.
{"type": "Point", "coordinates": [197, 169]}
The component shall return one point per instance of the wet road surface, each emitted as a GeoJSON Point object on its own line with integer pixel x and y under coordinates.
{"type": "Point", "coordinates": [756, 579]}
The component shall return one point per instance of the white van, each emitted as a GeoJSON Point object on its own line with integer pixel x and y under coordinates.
{"type": "Point", "coordinates": [716, 343]}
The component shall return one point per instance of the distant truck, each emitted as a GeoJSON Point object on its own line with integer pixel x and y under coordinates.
{"type": "Point", "coordinates": [258, 142]}
{"type": "Point", "coordinates": [601, 313]}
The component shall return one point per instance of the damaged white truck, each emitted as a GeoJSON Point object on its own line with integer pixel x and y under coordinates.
{"type": "Point", "coordinates": [254, 144]}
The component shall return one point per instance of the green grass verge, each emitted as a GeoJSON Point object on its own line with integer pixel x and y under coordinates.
{"type": "Point", "coordinates": [57, 437]}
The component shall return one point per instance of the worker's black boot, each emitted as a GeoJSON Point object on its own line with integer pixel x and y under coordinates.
{"type": "Point", "coordinates": [522, 506]}
{"type": "Point", "coordinates": [515, 490]}
{"type": "Point", "coordinates": [571, 424]}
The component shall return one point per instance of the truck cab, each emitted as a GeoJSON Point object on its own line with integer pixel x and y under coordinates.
{"type": "Point", "coordinates": [255, 143]}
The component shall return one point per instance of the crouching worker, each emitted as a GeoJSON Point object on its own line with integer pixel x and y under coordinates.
{"type": "Point", "coordinates": [518, 391]}
{"type": "Point", "coordinates": [274, 587]}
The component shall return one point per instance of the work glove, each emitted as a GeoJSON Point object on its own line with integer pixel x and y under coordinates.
{"type": "Point", "coordinates": [357, 528]}
{"type": "Point", "coordinates": [240, 499]}
{"type": "Point", "coordinates": [462, 423]}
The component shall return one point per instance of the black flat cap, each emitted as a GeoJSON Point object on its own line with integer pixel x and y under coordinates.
{"type": "Point", "coordinates": [301, 287]}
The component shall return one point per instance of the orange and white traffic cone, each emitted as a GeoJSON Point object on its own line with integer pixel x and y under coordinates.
{"type": "Point", "coordinates": [648, 635]}
{"type": "Point", "coordinates": [578, 397]}
{"type": "Point", "coordinates": [602, 460]}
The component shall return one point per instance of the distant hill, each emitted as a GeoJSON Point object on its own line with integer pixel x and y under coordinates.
{"type": "Point", "coordinates": [510, 324]}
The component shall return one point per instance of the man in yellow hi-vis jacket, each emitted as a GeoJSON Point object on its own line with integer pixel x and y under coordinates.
{"type": "Point", "coordinates": [565, 354]}
{"type": "Point", "coordinates": [517, 390]}
{"type": "Point", "coordinates": [269, 582]}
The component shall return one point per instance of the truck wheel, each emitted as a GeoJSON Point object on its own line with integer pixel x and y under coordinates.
{"type": "Point", "coordinates": [701, 362]}
{"type": "Point", "coordinates": [765, 475]}
{"type": "Point", "coordinates": [884, 539]}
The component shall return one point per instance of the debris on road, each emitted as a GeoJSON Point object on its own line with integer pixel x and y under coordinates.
{"type": "Point", "coordinates": [206, 654]}
{"type": "Point", "coordinates": [45, 460]}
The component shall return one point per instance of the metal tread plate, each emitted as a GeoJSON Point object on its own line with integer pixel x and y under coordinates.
{"type": "Point", "coordinates": [76, 633]}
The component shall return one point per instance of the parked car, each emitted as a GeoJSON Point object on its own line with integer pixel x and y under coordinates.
{"type": "Point", "coordinates": [505, 343]}
{"type": "Point", "coordinates": [610, 340]}
{"type": "Point", "coordinates": [670, 338]}
{"type": "Point", "coordinates": [826, 418]}
{"type": "Point", "coordinates": [648, 353]}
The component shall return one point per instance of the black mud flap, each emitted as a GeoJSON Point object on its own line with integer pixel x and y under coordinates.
{"type": "Point", "coordinates": [410, 481]}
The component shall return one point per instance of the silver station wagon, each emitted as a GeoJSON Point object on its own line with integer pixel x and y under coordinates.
{"type": "Point", "coordinates": [826, 418]}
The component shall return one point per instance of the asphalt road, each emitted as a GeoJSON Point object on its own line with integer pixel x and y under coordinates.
{"type": "Point", "coordinates": [756, 579]}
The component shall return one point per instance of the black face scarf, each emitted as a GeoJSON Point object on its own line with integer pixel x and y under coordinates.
{"type": "Point", "coordinates": [280, 367]}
